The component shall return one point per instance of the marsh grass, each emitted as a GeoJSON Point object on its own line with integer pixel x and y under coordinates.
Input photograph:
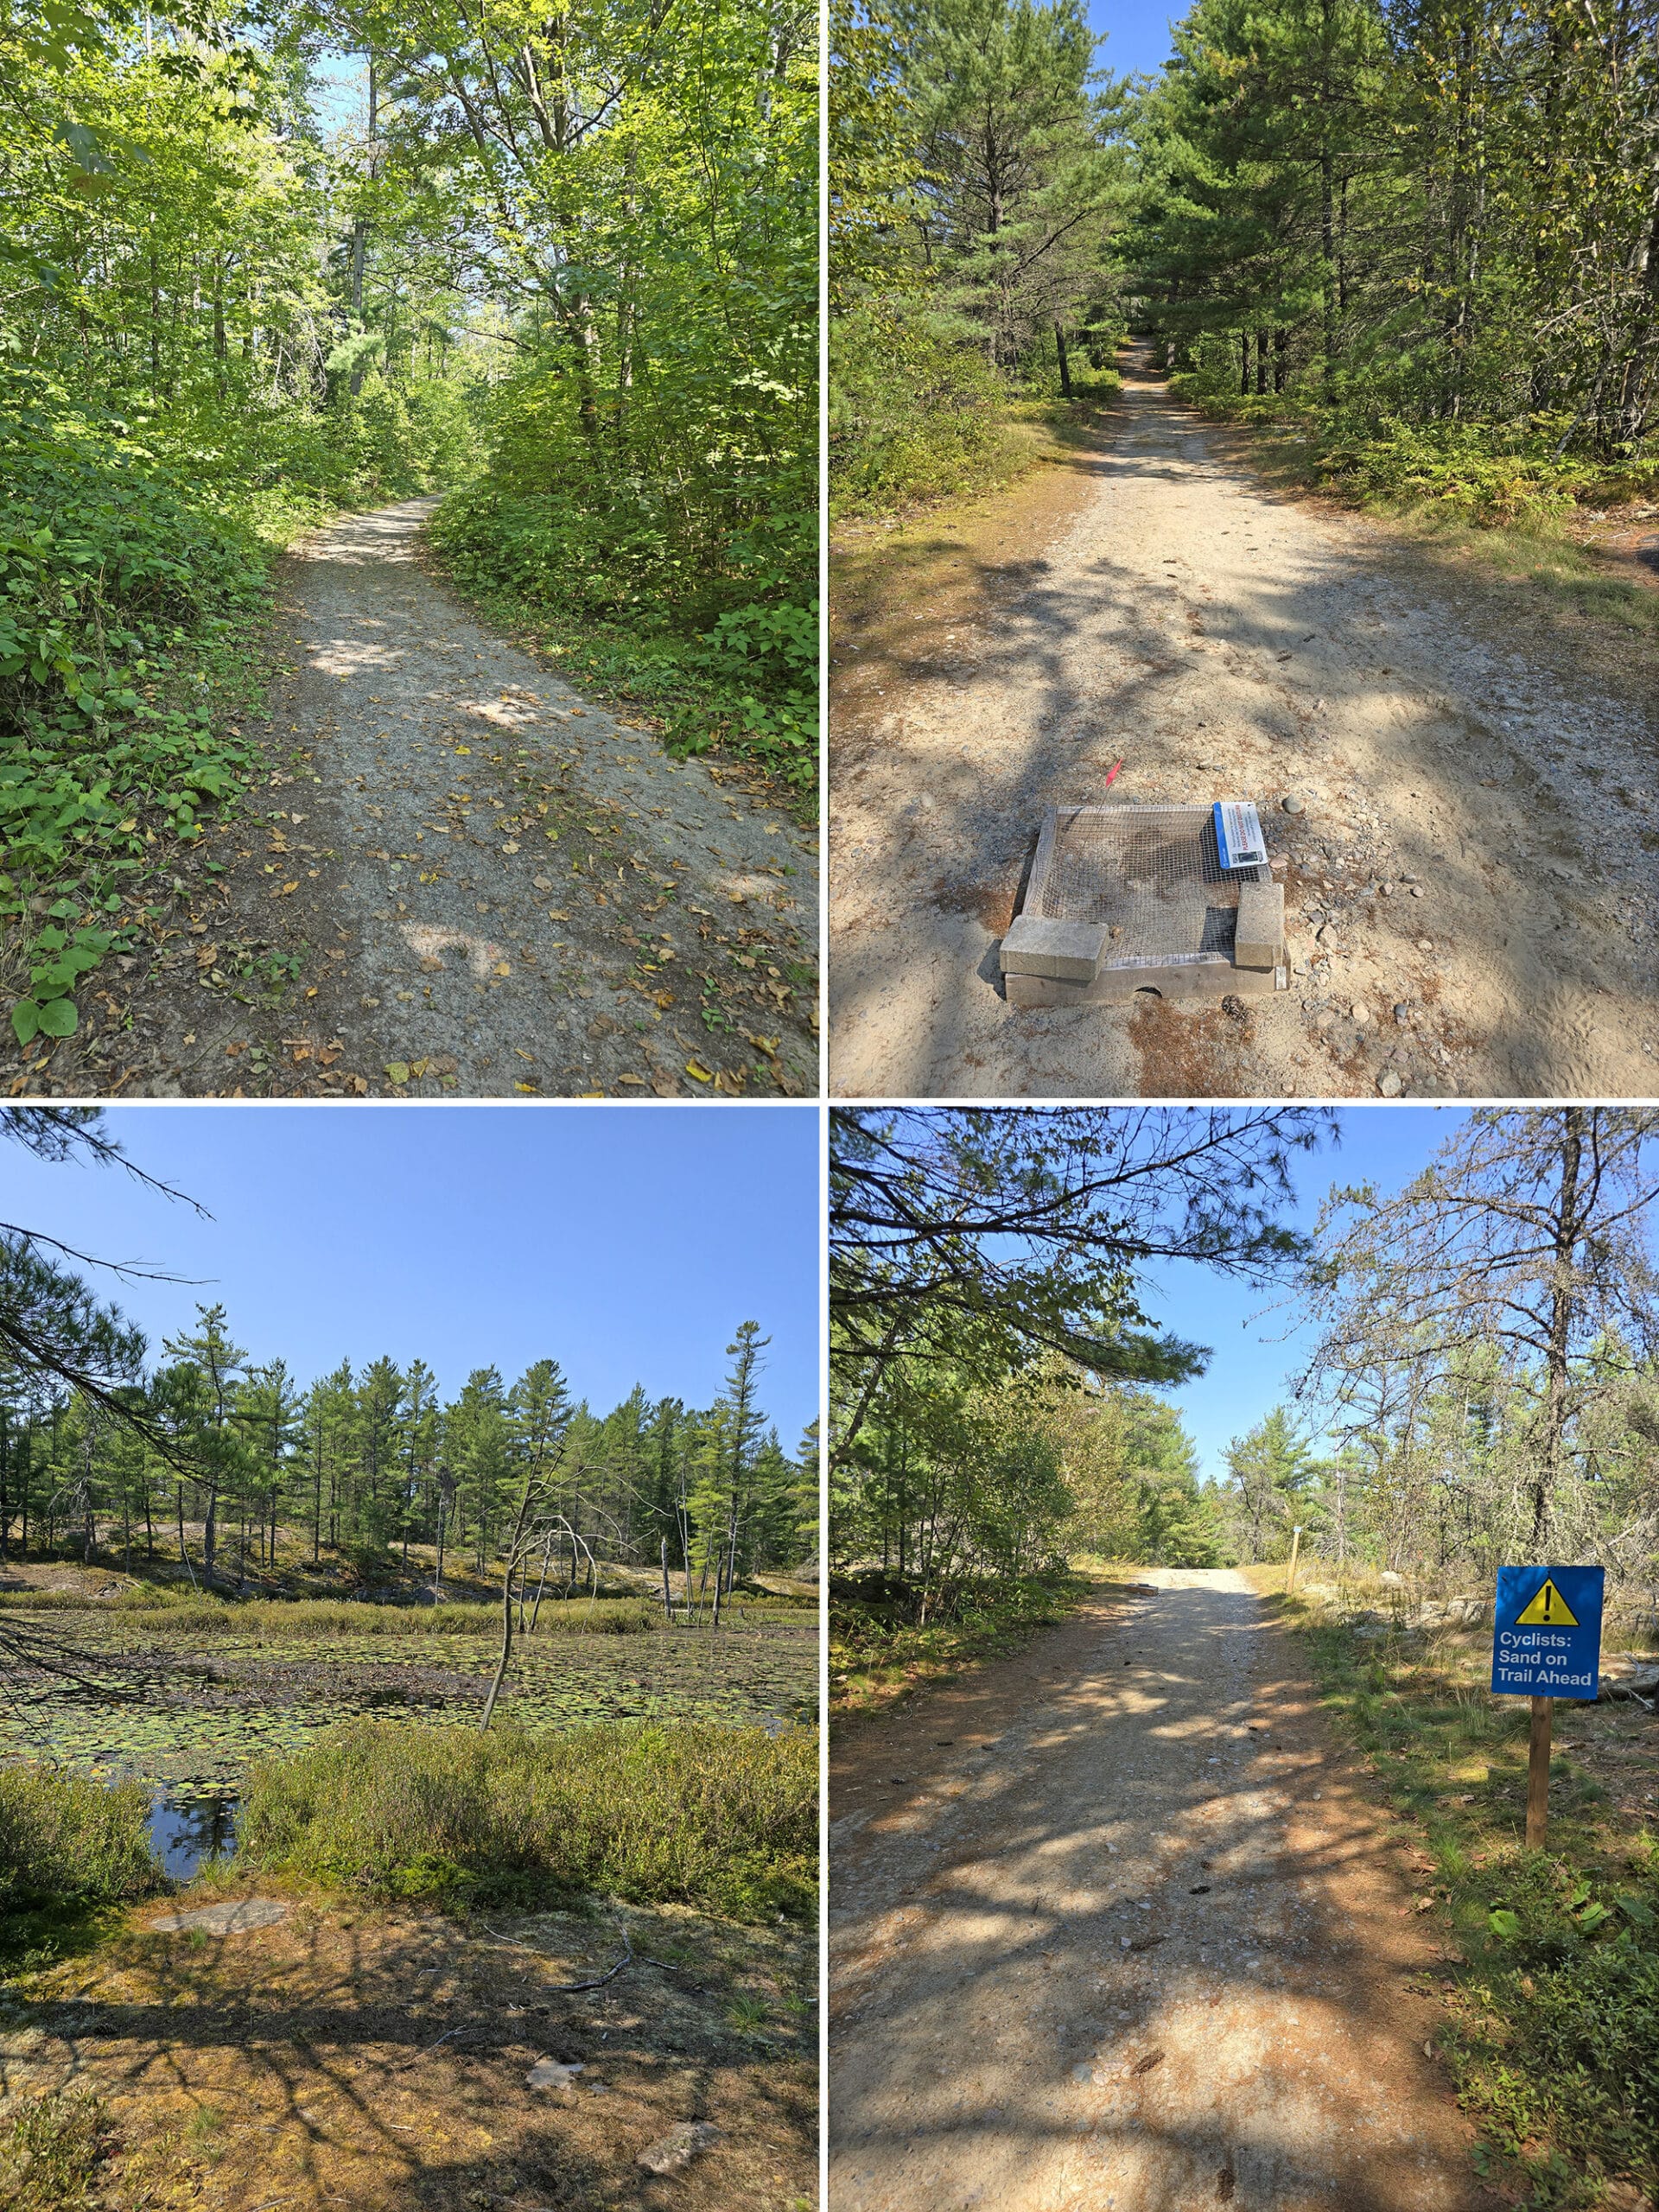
{"type": "Point", "coordinates": [691, 1813]}
{"type": "Point", "coordinates": [64, 1840]}
{"type": "Point", "coordinates": [298, 1618]}
{"type": "Point", "coordinates": [1553, 2029]}
{"type": "Point", "coordinates": [51, 2148]}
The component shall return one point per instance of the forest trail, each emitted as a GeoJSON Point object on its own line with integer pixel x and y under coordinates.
{"type": "Point", "coordinates": [1481, 815]}
{"type": "Point", "coordinates": [491, 883]}
{"type": "Point", "coordinates": [1113, 1924]}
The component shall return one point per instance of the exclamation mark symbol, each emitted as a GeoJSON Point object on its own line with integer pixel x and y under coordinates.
{"type": "Point", "coordinates": [1549, 1601]}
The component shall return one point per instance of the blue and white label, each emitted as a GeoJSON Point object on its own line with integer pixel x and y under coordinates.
{"type": "Point", "coordinates": [1239, 841]}
{"type": "Point", "coordinates": [1546, 1631]}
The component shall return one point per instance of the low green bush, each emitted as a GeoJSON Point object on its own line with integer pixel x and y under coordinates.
{"type": "Point", "coordinates": [64, 1841]}
{"type": "Point", "coordinates": [691, 1813]}
{"type": "Point", "coordinates": [1494, 474]}
{"type": "Point", "coordinates": [880, 1647]}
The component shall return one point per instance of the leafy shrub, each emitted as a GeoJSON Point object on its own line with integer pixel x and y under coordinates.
{"type": "Point", "coordinates": [692, 1813]}
{"type": "Point", "coordinates": [66, 1840]}
{"type": "Point", "coordinates": [108, 567]}
{"type": "Point", "coordinates": [51, 2148]}
{"type": "Point", "coordinates": [916, 412]}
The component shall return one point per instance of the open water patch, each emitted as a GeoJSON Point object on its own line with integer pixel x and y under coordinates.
{"type": "Point", "coordinates": [187, 1833]}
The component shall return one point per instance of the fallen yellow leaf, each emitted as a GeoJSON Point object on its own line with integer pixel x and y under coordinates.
{"type": "Point", "coordinates": [312, 993]}
{"type": "Point", "coordinates": [524, 1086]}
{"type": "Point", "coordinates": [696, 1070]}
{"type": "Point", "coordinates": [283, 893]}
{"type": "Point", "coordinates": [522, 1054]}
{"type": "Point", "coordinates": [398, 1071]}
{"type": "Point", "coordinates": [639, 1079]}
{"type": "Point", "coordinates": [463, 748]}
{"type": "Point", "coordinates": [502, 967]}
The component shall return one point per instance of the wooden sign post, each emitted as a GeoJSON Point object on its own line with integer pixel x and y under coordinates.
{"type": "Point", "coordinates": [1295, 1546]}
{"type": "Point", "coordinates": [1538, 1774]}
{"type": "Point", "coordinates": [1546, 1644]}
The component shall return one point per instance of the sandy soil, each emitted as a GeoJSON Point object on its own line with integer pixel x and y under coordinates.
{"type": "Point", "coordinates": [1113, 1925]}
{"type": "Point", "coordinates": [490, 885]}
{"type": "Point", "coordinates": [1471, 885]}
{"type": "Point", "coordinates": [376, 2060]}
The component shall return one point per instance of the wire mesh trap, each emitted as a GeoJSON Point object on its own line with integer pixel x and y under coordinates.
{"type": "Point", "coordinates": [1137, 897]}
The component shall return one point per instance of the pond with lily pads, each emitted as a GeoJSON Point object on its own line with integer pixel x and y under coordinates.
{"type": "Point", "coordinates": [210, 1707]}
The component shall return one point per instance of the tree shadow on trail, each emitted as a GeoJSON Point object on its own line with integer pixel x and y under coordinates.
{"type": "Point", "coordinates": [1108, 1971]}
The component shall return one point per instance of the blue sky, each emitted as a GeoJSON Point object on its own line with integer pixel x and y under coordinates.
{"type": "Point", "coordinates": [1136, 33]}
{"type": "Point", "coordinates": [1256, 1352]}
{"type": "Point", "coordinates": [626, 1243]}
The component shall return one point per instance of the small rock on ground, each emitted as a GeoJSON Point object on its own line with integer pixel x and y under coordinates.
{"type": "Point", "coordinates": [233, 1919]}
{"type": "Point", "coordinates": [673, 2152]}
{"type": "Point", "coordinates": [550, 2074]}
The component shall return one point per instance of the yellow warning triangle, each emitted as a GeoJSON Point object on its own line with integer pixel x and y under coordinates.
{"type": "Point", "coordinates": [1547, 1610]}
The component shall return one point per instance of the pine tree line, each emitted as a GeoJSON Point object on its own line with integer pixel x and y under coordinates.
{"type": "Point", "coordinates": [232, 1461]}
{"type": "Point", "coordinates": [1429, 224]}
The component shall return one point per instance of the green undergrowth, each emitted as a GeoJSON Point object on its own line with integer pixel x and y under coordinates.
{"type": "Point", "coordinates": [1552, 2034]}
{"type": "Point", "coordinates": [1490, 473]}
{"type": "Point", "coordinates": [135, 551]}
{"type": "Point", "coordinates": [689, 1813]}
{"type": "Point", "coordinates": [717, 662]}
{"type": "Point", "coordinates": [880, 1650]}
{"type": "Point", "coordinates": [918, 415]}
{"type": "Point", "coordinates": [52, 2150]}
{"type": "Point", "coordinates": [126, 605]}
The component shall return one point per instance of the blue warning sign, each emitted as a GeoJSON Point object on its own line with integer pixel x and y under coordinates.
{"type": "Point", "coordinates": [1547, 1632]}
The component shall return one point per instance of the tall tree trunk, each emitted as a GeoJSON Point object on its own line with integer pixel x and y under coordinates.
{"type": "Point", "coordinates": [1065, 367]}
{"type": "Point", "coordinates": [1563, 1301]}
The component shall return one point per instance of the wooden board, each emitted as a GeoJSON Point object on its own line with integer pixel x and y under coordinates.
{"type": "Point", "coordinates": [1208, 980]}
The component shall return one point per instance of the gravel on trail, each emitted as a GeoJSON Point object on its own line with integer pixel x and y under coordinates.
{"type": "Point", "coordinates": [1113, 1925]}
{"type": "Point", "coordinates": [1473, 873]}
{"type": "Point", "coordinates": [485, 885]}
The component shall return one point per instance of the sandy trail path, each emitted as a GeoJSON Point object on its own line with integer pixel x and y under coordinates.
{"type": "Point", "coordinates": [1112, 1925]}
{"type": "Point", "coordinates": [489, 883]}
{"type": "Point", "coordinates": [1477, 801]}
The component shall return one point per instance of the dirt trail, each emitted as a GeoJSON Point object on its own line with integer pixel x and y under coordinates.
{"type": "Point", "coordinates": [1114, 1925]}
{"type": "Point", "coordinates": [489, 882]}
{"type": "Point", "coordinates": [1481, 813]}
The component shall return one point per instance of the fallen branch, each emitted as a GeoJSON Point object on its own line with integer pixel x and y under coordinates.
{"type": "Point", "coordinates": [573, 1989]}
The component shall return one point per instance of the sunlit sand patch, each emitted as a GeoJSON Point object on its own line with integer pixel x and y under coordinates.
{"type": "Point", "coordinates": [429, 944]}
